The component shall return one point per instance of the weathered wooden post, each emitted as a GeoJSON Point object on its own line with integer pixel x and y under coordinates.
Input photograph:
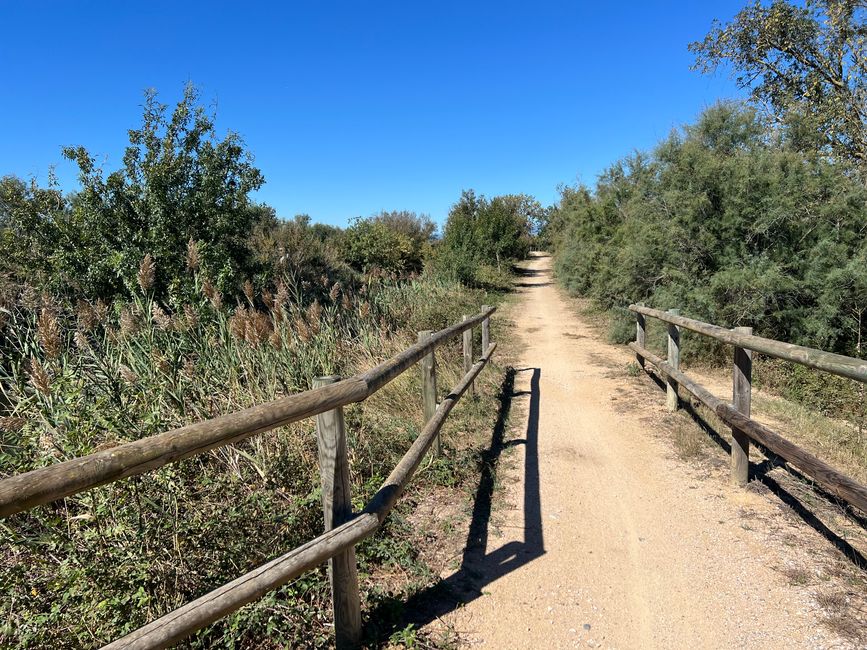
{"type": "Point", "coordinates": [486, 330]}
{"type": "Point", "coordinates": [742, 377]}
{"type": "Point", "coordinates": [640, 334]}
{"type": "Point", "coordinates": [428, 367]}
{"type": "Point", "coordinates": [337, 507]}
{"type": "Point", "coordinates": [674, 361]}
{"type": "Point", "coordinates": [468, 354]}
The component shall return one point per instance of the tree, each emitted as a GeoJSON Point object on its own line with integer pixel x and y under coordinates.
{"type": "Point", "coordinates": [481, 232]}
{"type": "Point", "coordinates": [806, 64]}
{"type": "Point", "coordinates": [178, 181]}
{"type": "Point", "coordinates": [419, 227]}
{"type": "Point", "coordinates": [29, 232]}
{"type": "Point", "coordinates": [729, 222]}
{"type": "Point", "coordinates": [370, 243]}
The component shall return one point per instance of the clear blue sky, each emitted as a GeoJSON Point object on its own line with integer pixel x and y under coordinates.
{"type": "Point", "coordinates": [354, 107]}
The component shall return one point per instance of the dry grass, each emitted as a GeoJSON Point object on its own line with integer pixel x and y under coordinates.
{"type": "Point", "coordinates": [128, 552]}
{"type": "Point", "coordinates": [798, 576]}
{"type": "Point", "coordinates": [845, 626]}
{"type": "Point", "coordinates": [689, 441]}
{"type": "Point", "coordinates": [837, 442]}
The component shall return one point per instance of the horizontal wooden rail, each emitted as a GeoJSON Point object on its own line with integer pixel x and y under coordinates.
{"type": "Point", "coordinates": [832, 480]}
{"type": "Point", "coordinates": [193, 616]}
{"type": "Point", "coordinates": [46, 484]}
{"type": "Point", "coordinates": [836, 364]}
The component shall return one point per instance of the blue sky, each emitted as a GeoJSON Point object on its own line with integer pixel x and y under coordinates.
{"type": "Point", "coordinates": [354, 107]}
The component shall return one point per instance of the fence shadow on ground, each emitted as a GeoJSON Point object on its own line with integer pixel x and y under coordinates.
{"type": "Point", "coordinates": [760, 472]}
{"type": "Point", "coordinates": [479, 567]}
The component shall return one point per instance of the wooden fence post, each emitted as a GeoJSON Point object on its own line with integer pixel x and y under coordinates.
{"type": "Point", "coordinates": [468, 354]}
{"type": "Point", "coordinates": [337, 507]}
{"type": "Point", "coordinates": [428, 367]}
{"type": "Point", "coordinates": [674, 361]}
{"type": "Point", "coordinates": [742, 376]}
{"type": "Point", "coordinates": [640, 334]}
{"type": "Point", "coordinates": [486, 331]}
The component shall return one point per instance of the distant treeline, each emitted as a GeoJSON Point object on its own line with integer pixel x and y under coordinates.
{"type": "Point", "coordinates": [733, 220]}
{"type": "Point", "coordinates": [181, 187]}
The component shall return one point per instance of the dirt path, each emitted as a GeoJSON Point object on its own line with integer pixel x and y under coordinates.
{"type": "Point", "coordinates": [608, 539]}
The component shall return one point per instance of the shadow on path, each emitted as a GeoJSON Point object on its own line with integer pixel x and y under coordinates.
{"type": "Point", "coordinates": [760, 472]}
{"type": "Point", "coordinates": [479, 567]}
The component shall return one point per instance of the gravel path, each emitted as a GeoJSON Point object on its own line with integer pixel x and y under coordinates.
{"type": "Point", "coordinates": [606, 539]}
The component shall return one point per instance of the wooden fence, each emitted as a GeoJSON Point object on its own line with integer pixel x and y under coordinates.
{"type": "Point", "coordinates": [343, 528]}
{"type": "Point", "coordinates": [737, 414]}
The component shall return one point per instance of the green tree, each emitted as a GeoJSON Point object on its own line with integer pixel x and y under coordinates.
{"type": "Point", "coordinates": [729, 222]}
{"type": "Point", "coordinates": [31, 220]}
{"type": "Point", "coordinates": [369, 243]}
{"type": "Point", "coordinates": [807, 64]}
{"type": "Point", "coordinates": [483, 233]}
{"type": "Point", "coordinates": [179, 181]}
{"type": "Point", "coordinates": [418, 227]}
{"type": "Point", "coordinates": [397, 241]}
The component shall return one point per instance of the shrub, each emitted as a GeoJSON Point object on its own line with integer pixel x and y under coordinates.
{"type": "Point", "coordinates": [727, 222]}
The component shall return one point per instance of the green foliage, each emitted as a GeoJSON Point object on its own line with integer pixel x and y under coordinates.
{"type": "Point", "coordinates": [482, 233]}
{"type": "Point", "coordinates": [178, 182]}
{"type": "Point", "coordinates": [32, 227]}
{"type": "Point", "coordinates": [807, 63]}
{"type": "Point", "coordinates": [372, 244]}
{"type": "Point", "coordinates": [160, 295]}
{"type": "Point", "coordinates": [310, 254]}
{"type": "Point", "coordinates": [394, 242]}
{"type": "Point", "coordinates": [729, 222]}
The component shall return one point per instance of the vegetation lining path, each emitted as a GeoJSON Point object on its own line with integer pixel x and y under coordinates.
{"type": "Point", "coordinates": [623, 545]}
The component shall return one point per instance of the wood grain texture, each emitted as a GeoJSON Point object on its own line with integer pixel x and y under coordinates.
{"type": "Point", "coordinates": [468, 353]}
{"type": "Point", "coordinates": [640, 334]}
{"type": "Point", "coordinates": [429, 386]}
{"type": "Point", "coordinates": [829, 478]}
{"type": "Point", "coordinates": [337, 510]}
{"type": "Point", "coordinates": [836, 364]}
{"type": "Point", "coordinates": [486, 331]}
{"type": "Point", "coordinates": [742, 373]}
{"type": "Point", "coordinates": [671, 400]}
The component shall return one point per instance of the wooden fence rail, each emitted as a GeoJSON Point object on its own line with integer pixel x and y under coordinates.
{"type": "Point", "coordinates": [25, 491]}
{"type": "Point", "coordinates": [737, 415]}
{"type": "Point", "coordinates": [64, 479]}
{"type": "Point", "coordinates": [836, 364]}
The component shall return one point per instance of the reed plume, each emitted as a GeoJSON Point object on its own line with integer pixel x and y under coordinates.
{"type": "Point", "coordinates": [39, 377]}
{"type": "Point", "coordinates": [147, 273]}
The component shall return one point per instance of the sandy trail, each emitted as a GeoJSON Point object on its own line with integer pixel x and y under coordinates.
{"type": "Point", "coordinates": [609, 540]}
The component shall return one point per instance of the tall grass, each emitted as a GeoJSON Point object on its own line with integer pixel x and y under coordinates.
{"type": "Point", "coordinates": [80, 378]}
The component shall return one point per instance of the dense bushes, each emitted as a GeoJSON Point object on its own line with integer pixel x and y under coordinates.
{"type": "Point", "coordinates": [395, 242]}
{"type": "Point", "coordinates": [482, 237]}
{"type": "Point", "coordinates": [178, 182]}
{"type": "Point", "coordinates": [159, 295]}
{"type": "Point", "coordinates": [730, 222]}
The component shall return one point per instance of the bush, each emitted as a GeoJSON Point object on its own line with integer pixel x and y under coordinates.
{"type": "Point", "coordinates": [179, 182]}
{"type": "Point", "coordinates": [727, 222]}
{"type": "Point", "coordinates": [481, 234]}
